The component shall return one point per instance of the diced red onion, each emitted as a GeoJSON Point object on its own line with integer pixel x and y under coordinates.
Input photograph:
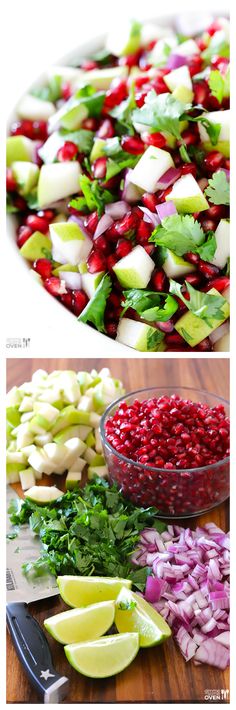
{"type": "Point", "coordinates": [130, 193]}
{"type": "Point", "coordinates": [168, 178]}
{"type": "Point", "coordinates": [166, 209]}
{"type": "Point", "coordinates": [149, 216]}
{"type": "Point", "coordinates": [224, 638]}
{"type": "Point", "coordinates": [219, 332]}
{"type": "Point", "coordinates": [175, 61]}
{"type": "Point", "coordinates": [117, 210]}
{"type": "Point", "coordinates": [153, 589]}
{"type": "Point", "coordinates": [214, 653]}
{"type": "Point", "coordinates": [104, 223]}
{"type": "Point", "coordinates": [79, 221]}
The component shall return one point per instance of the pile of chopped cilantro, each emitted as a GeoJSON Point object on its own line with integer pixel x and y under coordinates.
{"type": "Point", "coordinates": [89, 531]}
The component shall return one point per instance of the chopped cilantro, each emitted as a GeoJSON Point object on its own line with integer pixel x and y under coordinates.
{"type": "Point", "coordinates": [95, 309]}
{"type": "Point", "coordinates": [218, 191]}
{"type": "Point", "coordinates": [203, 305]}
{"type": "Point", "coordinates": [51, 92]}
{"type": "Point", "coordinates": [207, 250]}
{"type": "Point", "coordinates": [92, 99]}
{"type": "Point", "coordinates": [82, 138]}
{"type": "Point", "coordinates": [213, 129]}
{"type": "Point", "coordinates": [118, 159]}
{"type": "Point", "coordinates": [160, 113]}
{"type": "Point", "coordinates": [150, 305]}
{"type": "Point", "coordinates": [221, 49]}
{"type": "Point", "coordinates": [95, 197]}
{"type": "Point", "coordinates": [184, 154]}
{"type": "Point", "coordinates": [123, 114]}
{"type": "Point", "coordinates": [219, 85]}
{"type": "Point", "coordinates": [180, 233]}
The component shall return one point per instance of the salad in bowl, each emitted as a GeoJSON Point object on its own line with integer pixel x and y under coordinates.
{"type": "Point", "coordinates": [118, 178]}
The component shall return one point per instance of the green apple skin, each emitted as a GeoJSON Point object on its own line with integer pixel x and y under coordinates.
{"type": "Point", "coordinates": [182, 93]}
{"type": "Point", "coordinates": [139, 336]}
{"type": "Point", "coordinates": [72, 480]}
{"type": "Point", "coordinates": [222, 146]}
{"type": "Point", "coordinates": [90, 282]}
{"type": "Point", "coordinates": [19, 148]}
{"type": "Point", "coordinates": [194, 329]}
{"type": "Point", "coordinates": [97, 149]}
{"type": "Point", "coordinates": [36, 246]}
{"type": "Point", "coordinates": [189, 204]}
{"type": "Point", "coordinates": [26, 175]}
{"type": "Point", "coordinates": [101, 79]}
{"type": "Point", "coordinates": [175, 266]}
{"type": "Point", "coordinates": [135, 269]}
{"type": "Point", "coordinates": [58, 180]}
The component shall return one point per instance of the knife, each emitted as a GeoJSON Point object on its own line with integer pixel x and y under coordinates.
{"type": "Point", "coordinates": [27, 635]}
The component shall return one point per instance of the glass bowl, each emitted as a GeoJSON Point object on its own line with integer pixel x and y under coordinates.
{"type": "Point", "coordinates": [177, 493]}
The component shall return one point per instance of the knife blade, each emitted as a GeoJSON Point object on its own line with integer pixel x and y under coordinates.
{"type": "Point", "coordinates": [28, 637]}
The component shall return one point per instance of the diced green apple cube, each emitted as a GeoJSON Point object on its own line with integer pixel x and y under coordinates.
{"type": "Point", "coordinates": [16, 457]}
{"type": "Point", "coordinates": [27, 478]}
{"type": "Point", "coordinates": [139, 336]}
{"type": "Point", "coordinates": [194, 329]}
{"type": "Point", "coordinates": [97, 149]}
{"type": "Point", "coordinates": [19, 148]}
{"type": "Point", "coordinates": [150, 168]}
{"type": "Point", "coordinates": [101, 79]}
{"type": "Point", "coordinates": [67, 74]}
{"type": "Point", "coordinates": [68, 238]}
{"type": "Point", "coordinates": [42, 439]}
{"type": "Point", "coordinates": [49, 149]}
{"type": "Point", "coordinates": [180, 83]}
{"type": "Point", "coordinates": [13, 472]}
{"type": "Point", "coordinates": [222, 118]}
{"type": "Point", "coordinates": [70, 432]}
{"type": "Point", "coordinates": [223, 344]}
{"type": "Point", "coordinates": [26, 175]}
{"type": "Point", "coordinates": [187, 195]}
{"type": "Point", "coordinates": [40, 462]}
{"type": "Point", "coordinates": [75, 447]}
{"type": "Point", "coordinates": [58, 180]}
{"type": "Point", "coordinates": [43, 495]}
{"type": "Point", "coordinates": [175, 266]}
{"type": "Point", "coordinates": [187, 48]}
{"type": "Point", "coordinates": [101, 471]}
{"type": "Point", "coordinates": [36, 247]}
{"type": "Point", "coordinates": [157, 56]}
{"type": "Point", "coordinates": [90, 282]}
{"type": "Point", "coordinates": [70, 116]}
{"type": "Point", "coordinates": [34, 109]}
{"type": "Point", "coordinates": [222, 236]}
{"type": "Point", "coordinates": [124, 39]}
{"type": "Point", "coordinates": [135, 269]}
{"type": "Point", "coordinates": [72, 480]}
{"type": "Point", "coordinates": [68, 416]}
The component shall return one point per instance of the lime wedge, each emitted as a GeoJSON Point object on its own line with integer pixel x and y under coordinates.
{"type": "Point", "coordinates": [105, 657]}
{"type": "Point", "coordinates": [81, 591]}
{"type": "Point", "coordinates": [133, 613]}
{"type": "Point", "coordinates": [81, 624]}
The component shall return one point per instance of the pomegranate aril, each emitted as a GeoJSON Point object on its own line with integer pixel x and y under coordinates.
{"type": "Point", "coordinates": [201, 93]}
{"type": "Point", "coordinates": [156, 139]}
{"type": "Point", "coordinates": [208, 270]}
{"type": "Point", "coordinates": [106, 129]}
{"type": "Point", "coordinates": [11, 184]}
{"type": "Point", "coordinates": [40, 131]}
{"type": "Point", "coordinates": [115, 95]}
{"type": "Point", "coordinates": [216, 212]}
{"type": "Point", "coordinates": [22, 128]}
{"type": "Point", "coordinates": [67, 152]}
{"type": "Point", "coordinates": [79, 301]}
{"type": "Point", "coordinates": [66, 91]}
{"type": "Point", "coordinates": [208, 225]}
{"type": "Point", "coordinates": [191, 257]}
{"type": "Point", "coordinates": [99, 168]}
{"type": "Point", "coordinates": [43, 267]}
{"type": "Point", "coordinates": [189, 137]}
{"type": "Point", "coordinates": [143, 232]}
{"type": "Point", "coordinates": [150, 201]}
{"type": "Point", "coordinates": [91, 222]}
{"type": "Point", "coordinates": [140, 96]}
{"type": "Point", "coordinates": [23, 235]}
{"type": "Point", "coordinates": [159, 280]}
{"type": "Point", "coordinates": [111, 329]}
{"type": "Point", "coordinates": [174, 339]}
{"type": "Point", "coordinates": [111, 261]}
{"type": "Point", "coordinates": [194, 64]}
{"type": "Point", "coordinates": [213, 161]}
{"type": "Point", "coordinates": [189, 168]}
{"type": "Point", "coordinates": [90, 124]}
{"type": "Point", "coordinates": [37, 224]}
{"type": "Point", "coordinates": [159, 85]}
{"type": "Point", "coordinates": [219, 284]}
{"type": "Point", "coordinates": [166, 326]}
{"type": "Point", "coordinates": [54, 286]}
{"type": "Point", "coordinates": [194, 279]}
{"type": "Point", "coordinates": [102, 244]}
{"type": "Point", "coordinates": [204, 345]}
{"type": "Point", "coordinates": [96, 262]}
{"type": "Point", "coordinates": [66, 299]}
{"type": "Point", "coordinates": [127, 225]}
{"type": "Point", "coordinates": [89, 64]}
{"type": "Point", "coordinates": [132, 145]}
{"type": "Point", "coordinates": [130, 60]}
{"type": "Point", "coordinates": [46, 214]}
{"type": "Point", "coordinates": [123, 248]}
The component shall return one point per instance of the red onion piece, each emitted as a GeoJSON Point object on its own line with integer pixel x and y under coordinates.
{"type": "Point", "coordinates": [175, 61]}
{"type": "Point", "coordinates": [166, 209]}
{"type": "Point", "coordinates": [214, 653]}
{"type": "Point", "coordinates": [104, 223]}
{"type": "Point", "coordinates": [153, 589]}
{"type": "Point", "coordinates": [130, 193]}
{"type": "Point", "coordinates": [149, 216]}
{"type": "Point", "coordinates": [117, 210]}
{"type": "Point", "coordinates": [168, 178]}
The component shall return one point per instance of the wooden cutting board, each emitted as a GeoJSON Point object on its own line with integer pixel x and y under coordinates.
{"type": "Point", "coordinates": [158, 674]}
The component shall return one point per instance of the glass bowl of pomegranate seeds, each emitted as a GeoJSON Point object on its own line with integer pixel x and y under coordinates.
{"type": "Point", "coordinates": [169, 447]}
{"type": "Point", "coordinates": [118, 185]}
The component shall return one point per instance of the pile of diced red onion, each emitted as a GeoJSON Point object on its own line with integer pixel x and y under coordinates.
{"type": "Point", "coordinates": [190, 587]}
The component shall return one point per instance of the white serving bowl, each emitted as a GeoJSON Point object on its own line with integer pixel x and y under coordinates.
{"type": "Point", "coordinates": [86, 340]}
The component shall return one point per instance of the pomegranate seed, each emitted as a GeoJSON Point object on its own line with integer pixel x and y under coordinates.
{"type": "Point", "coordinates": [132, 145]}
{"type": "Point", "coordinates": [22, 128]}
{"type": "Point", "coordinates": [149, 248]}
{"type": "Point", "coordinates": [54, 286]}
{"type": "Point", "coordinates": [189, 168]}
{"type": "Point", "coordinates": [208, 225]}
{"type": "Point", "coordinates": [150, 201]}
{"type": "Point", "coordinates": [140, 96]}
{"type": "Point", "coordinates": [68, 152]}
{"type": "Point", "coordinates": [66, 91]}
{"type": "Point", "coordinates": [88, 65]}
{"type": "Point", "coordinates": [204, 345]}
{"type": "Point", "coordinates": [166, 326]}
{"type": "Point", "coordinates": [156, 139]}
{"type": "Point", "coordinates": [220, 63]}
{"type": "Point", "coordinates": [37, 224]}
{"type": "Point", "coordinates": [111, 329]}
{"type": "Point", "coordinates": [23, 235]}
{"type": "Point", "coordinates": [47, 214]}
{"type": "Point", "coordinates": [43, 267]}
{"type": "Point", "coordinates": [208, 270]}
{"type": "Point", "coordinates": [191, 257]}
{"type": "Point", "coordinates": [163, 194]}
{"type": "Point", "coordinates": [40, 130]}
{"type": "Point", "coordinates": [216, 212]}
{"type": "Point", "coordinates": [102, 244]}
{"type": "Point", "coordinates": [203, 183]}
{"type": "Point", "coordinates": [214, 27]}
{"type": "Point", "coordinates": [91, 222]}
{"type": "Point", "coordinates": [143, 232]}
{"type": "Point", "coordinates": [114, 300]}
{"type": "Point", "coordinates": [174, 339]}
{"type": "Point", "coordinates": [96, 262]}
{"type": "Point", "coordinates": [114, 96]}
{"type": "Point", "coordinates": [106, 129]}
{"type": "Point", "coordinates": [189, 136]}
{"type": "Point", "coordinates": [213, 161]}
{"type": "Point", "coordinates": [227, 163]}
{"type": "Point", "coordinates": [158, 280]}
{"type": "Point", "coordinates": [67, 300]}
{"type": "Point", "coordinates": [79, 301]}
{"type": "Point", "coordinates": [11, 185]}
{"type": "Point", "coordinates": [90, 124]}
{"type": "Point", "coordinates": [99, 168]}
{"type": "Point", "coordinates": [123, 248]}
{"type": "Point", "coordinates": [127, 225]}
{"type": "Point", "coordinates": [194, 64]}
{"type": "Point", "coordinates": [111, 261]}
{"type": "Point", "coordinates": [193, 279]}
{"type": "Point", "coordinates": [219, 284]}
{"type": "Point", "coordinates": [159, 85]}
{"type": "Point", "coordinates": [20, 203]}
{"type": "Point", "coordinates": [201, 93]}
{"type": "Point", "coordinates": [130, 60]}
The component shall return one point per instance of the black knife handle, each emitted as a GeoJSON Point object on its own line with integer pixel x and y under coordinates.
{"type": "Point", "coordinates": [34, 653]}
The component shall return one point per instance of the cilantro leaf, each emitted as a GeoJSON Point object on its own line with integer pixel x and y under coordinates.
{"type": "Point", "coordinates": [95, 309]}
{"type": "Point", "coordinates": [219, 48]}
{"type": "Point", "coordinates": [217, 85]}
{"type": "Point", "coordinates": [149, 305]}
{"type": "Point", "coordinates": [218, 190]}
{"type": "Point", "coordinates": [160, 113]}
{"type": "Point", "coordinates": [123, 112]}
{"type": "Point", "coordinates": [95, 197]}
{"type": "Point", "coordinates": [82, 138]}
{"type": "Point", "coordinates": [184, 154]}
{"type": "Point", "coordinates": [51, 92]}
{"type": "Point", "coordinates": [92, 99]}
{"type": "Point", "coordinates": [180, 233]}
{"type": "Point", "coordinates": [118, 159]}
{"type": "Point", "coordinates": [207, 250]}
{"type": "Point", "coordinates": [213, 129]}
{"type": "Point", "coordinates": [203, 305]}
